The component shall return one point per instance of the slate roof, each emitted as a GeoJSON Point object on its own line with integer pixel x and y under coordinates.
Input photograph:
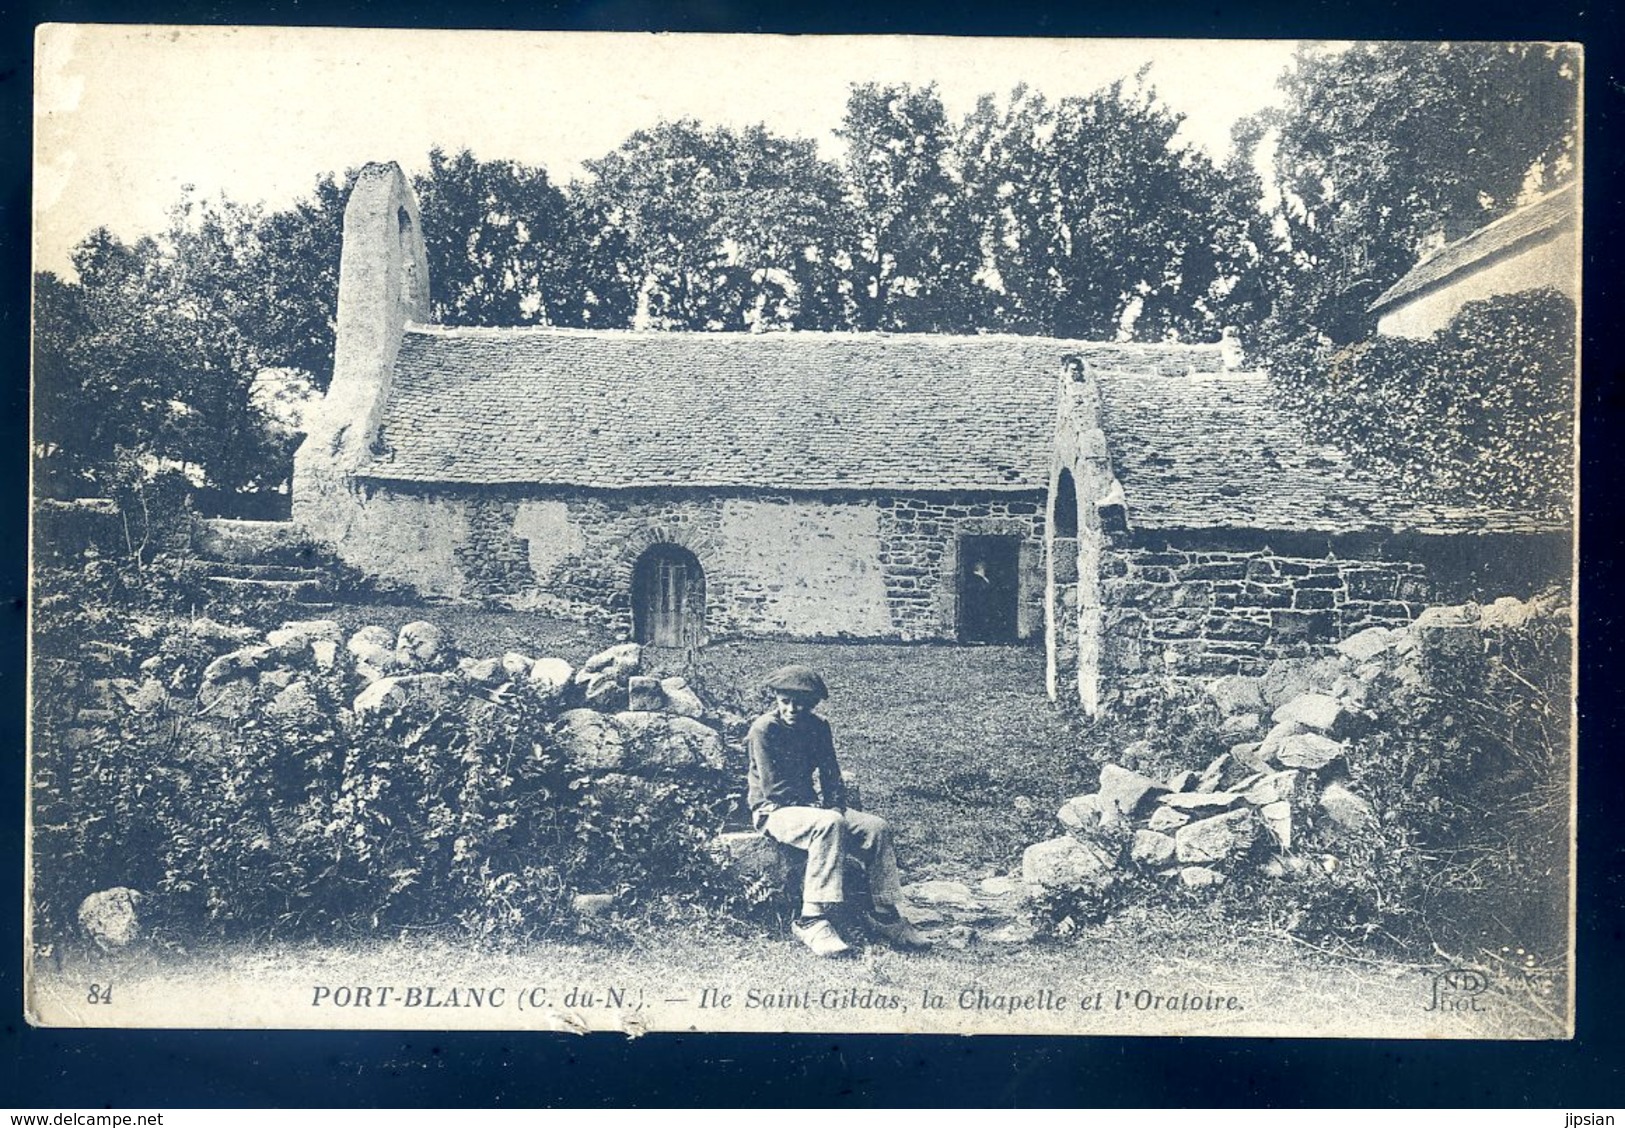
{"type": "Point", "coordinates": [824, 412]}
{"type": "Point", "coordinates": [1531, 223]}
{"type": "Point", "coordinates": [1219, 452]}
{"type": "Point", "coordinates": [805, 411]}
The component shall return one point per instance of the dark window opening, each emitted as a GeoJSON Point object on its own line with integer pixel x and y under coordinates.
{"type": "Point", "coordinates": [989, 570]}
{"type": "Point", "coordinates": [1065, 511]}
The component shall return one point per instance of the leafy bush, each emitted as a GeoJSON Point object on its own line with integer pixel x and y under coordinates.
{"type": "Point", "coordinates": [1481, 412]}
{"type": "Point", "coordinates": [300, 818]}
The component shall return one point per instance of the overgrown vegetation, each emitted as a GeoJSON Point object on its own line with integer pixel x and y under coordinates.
{"type": "Point", "coordinates": [1483, 411]}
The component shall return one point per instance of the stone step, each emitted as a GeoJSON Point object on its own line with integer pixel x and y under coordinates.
{"type": "Point", "coordinates": [294, 591]}
{"type": "Point", "coordinates": [252, 542]}
{"type": "Point", "coordinates": [229, 569]}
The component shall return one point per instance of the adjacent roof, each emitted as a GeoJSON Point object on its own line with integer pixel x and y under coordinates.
{"type": "Point", "coordinates": [1220, 452]}
{"type": "Point", "coordinates": [1532, 223]}
{"type": "Point", "coordinates": [805, 411]}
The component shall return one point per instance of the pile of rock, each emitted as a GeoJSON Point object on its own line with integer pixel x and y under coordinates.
{"type": "Point", "coordinates": [1285, 766]}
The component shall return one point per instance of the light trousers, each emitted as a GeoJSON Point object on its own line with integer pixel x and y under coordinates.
{"type": "Point", "coordinates": [830, 837]}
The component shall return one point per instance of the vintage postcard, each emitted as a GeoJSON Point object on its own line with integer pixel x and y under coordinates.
{"type": "Point", "coordinates": [739, 533]}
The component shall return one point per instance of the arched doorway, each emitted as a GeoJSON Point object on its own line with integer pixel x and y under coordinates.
{"type": "Point", "coordinates": [1064, 506]}
{"type": "Point", "coordinates": [668, 597]}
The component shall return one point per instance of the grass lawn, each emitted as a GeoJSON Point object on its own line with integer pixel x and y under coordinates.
{"type": "Point", "coordinates": [957, 746]}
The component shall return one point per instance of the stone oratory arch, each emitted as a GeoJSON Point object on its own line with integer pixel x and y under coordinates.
{"type": "Point", "coordinates": [1085, 504]}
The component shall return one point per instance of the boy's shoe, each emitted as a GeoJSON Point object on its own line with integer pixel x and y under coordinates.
{"type": "Point", "coordinates": [820, 935]}
{"type": "Point", "coordinates": [895, 929]}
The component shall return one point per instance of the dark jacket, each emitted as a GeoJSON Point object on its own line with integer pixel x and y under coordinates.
{"type": "Point", "coordinates": [784, 762]}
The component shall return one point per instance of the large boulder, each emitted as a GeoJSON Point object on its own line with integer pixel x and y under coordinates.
{"type": "Point", "coordinates": [1345, 808]}
{"type": "Point", "coordinates": [1277, 736]}
{"type": "Point", "coordinates": [232, 700]}
{"type": "Point", "coordinates": [657, 742]}
{"type": "Point", "coordinates": [1127, 791]}
{"type": "Point", "coordinates": [590, 740]}
{"type": "Point", "coordinates": [1183, 780]}
{"type": "Point", "coordinates": [1067, 865]}
{"type": "Point", "coordinates": [295, 703]}
{"type": "Point", "coordinates": [680, 698]}
{"type": "Point", "coordinates": [1151, 849]}
{"type": "Point", "coordinates": [1287, 678]}
{"type": "Point", "coordinates": [1507, 613]}
{"type": "Point", "coordinates": [942, 895]}
{"type": "Point", "coordinates": [1236, 693]}
{"type": "Point", "coordinates": [374, 646]}
{"type": "Point", "coordinates": [239, 663]}
{"type": "Point", "coordinates": [1214, 839]}
{"type": "Point", "coordinates": [517, 666]}
{"type": "Point", "coordinates": [1276, 787]}
{"type": "Point", "coordinates": [420, 646]}
{"type": "Point", "coordinates": [1363, 646]}
{"type": "Point", "coordinates": [482, 671]}
{"type": "Point", "coordinates": [643, 693]}
{"type": "Point", "coordinates": [761, 866]}
{"type": "Point", "coordinates": [1449, 633]}
{"type": "Point", "coordinates": [1086, 813]}
{"type": "Point", "coordinates": [603, 691]}
{"type": "Point", "coordinates": [1166, 819]}
{"type": "Point", "coordinates": [619, 662]}
{"type": "Point", "coordinates": [1212, 777]}
{"type": "Point", "coordinates": [1318, 711]}
{"type": "Point", "coordinates": [111, 917]}
{"type": "Point", "coordinates": [390, 694]}
{"type": "Point", "coordinates": [1277, 819]}
{"type": "Point", "coordinates": [1200, 803]}
{"type": "Point", "coordinates": [1309, 750]}
{"type": "Point", "coordinates": [551, 675]}
{"type": "Point", "coordinates": [1248, 756]}
{"type": "Point", "coordinates": [293, 638]}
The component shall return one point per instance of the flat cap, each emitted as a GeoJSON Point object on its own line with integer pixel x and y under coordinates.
{"type": "Point", "coordinates": [800, 679]}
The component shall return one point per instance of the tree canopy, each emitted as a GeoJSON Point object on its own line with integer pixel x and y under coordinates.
{"type": "Point", "coordinates": [1097, 223]}
{"type": "Point", "coordinates": [1385, 149]}
{"type": "Point", "coordinates": [1084, 217]}
{"type": "Point", "coordinates": [727, 230]}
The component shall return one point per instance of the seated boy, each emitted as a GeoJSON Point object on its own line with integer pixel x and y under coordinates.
{"type": "Point", "coordinates": [789, 746]}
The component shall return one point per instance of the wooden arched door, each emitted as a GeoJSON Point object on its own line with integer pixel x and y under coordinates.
{"type": "Point", "coordinates": [668, 598]}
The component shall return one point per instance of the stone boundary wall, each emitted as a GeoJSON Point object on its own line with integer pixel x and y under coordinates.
{"type": "Point", "coordinates": [1204, 612]}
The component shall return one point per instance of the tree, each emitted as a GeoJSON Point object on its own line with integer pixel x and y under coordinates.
{"type": "Point", "coordinates": [507, 247]}
{"type": "Point", "coordinates": [726, 230]}
{"type": "Point", "coordinates": [917, 251]}
{"type": "Point", "coordinates": [1386, 148]}
{"type": "Point", "coordinates": [150, 357]}
{"type": "Point", "coordinates": [1098, 224]}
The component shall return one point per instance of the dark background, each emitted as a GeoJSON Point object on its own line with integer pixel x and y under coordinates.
{"type": "Point", "coordinates": [49, 1069]}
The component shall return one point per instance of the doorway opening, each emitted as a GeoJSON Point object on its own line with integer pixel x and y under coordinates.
{"type": "Point", "coordinates": [989, 583]}
{"type": "Point", "coordinates": [668, 598]}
